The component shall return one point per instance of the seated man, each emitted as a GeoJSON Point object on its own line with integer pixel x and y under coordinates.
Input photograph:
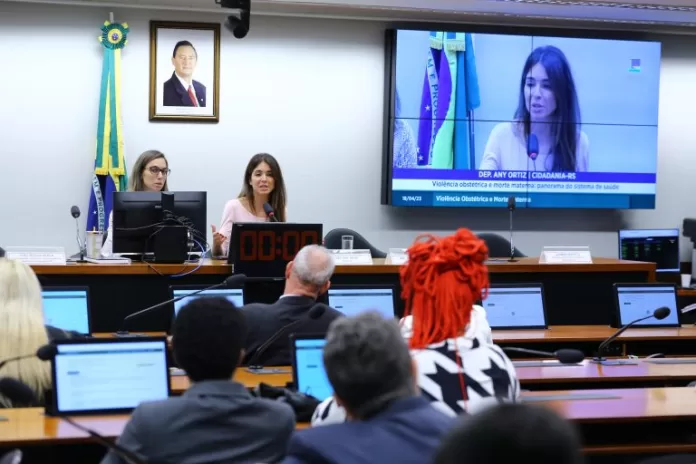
{"type": "Point", "coordinates": [217, 419]}
{"type": "Point", "coordinates": [374, 380]}
{"type": "Point", "coordinates": [512, 433]}
{"type": "Point", "coordinates": [306, 277]}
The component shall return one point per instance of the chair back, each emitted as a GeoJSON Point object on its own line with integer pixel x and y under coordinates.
{"type": "Point", "coordinates": [499, 247]}
{"type": "Point", "coordinates": [332, 241]}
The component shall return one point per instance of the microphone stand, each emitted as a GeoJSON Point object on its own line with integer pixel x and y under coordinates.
{"type": "Point", "coordinates": [512, 247]}
{"type": "Point", "coordinates": [599, 359]}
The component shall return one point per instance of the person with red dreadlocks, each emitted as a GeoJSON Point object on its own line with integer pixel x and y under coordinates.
{"type": "Point", "coordinates": [459, 369]}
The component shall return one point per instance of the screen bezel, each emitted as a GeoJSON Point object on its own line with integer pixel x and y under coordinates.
{"type": "Point", "coordinates": [326, 300]}
{"type": "Point", "coordinates": [617, 308]}
{"type": "Point", "coordinates": [172, 288]}
{"type": "Point", "coordinates": [293, 338]}
{"type": "Point", "coordinates": [72, 288]}
{"type": "Point", "coordinates": [389, 100]}
{"type": "Point", "coordinates": [534, 285]}
{"type": "Point", "coordinates": [666, 271]}
{"type": "Point", "coordinates": [52, 408]}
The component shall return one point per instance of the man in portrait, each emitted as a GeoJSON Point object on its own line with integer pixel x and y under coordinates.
{"type": "Point", "coordinates": [181, 89]}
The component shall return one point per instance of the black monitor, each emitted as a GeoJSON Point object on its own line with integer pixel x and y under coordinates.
{"type": "Point", "coordinates": [166, 224]}
{"type": "Point", "coordinates": [659, 246]}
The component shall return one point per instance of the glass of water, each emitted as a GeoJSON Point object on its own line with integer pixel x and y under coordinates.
{"type": "Point", "coordinates": [347, 242]}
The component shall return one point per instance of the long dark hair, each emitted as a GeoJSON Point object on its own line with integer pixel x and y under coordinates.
{"type": "Point", "coordinates": [277, 198]}
{"type": "Point", "coordinates": [566, 119]}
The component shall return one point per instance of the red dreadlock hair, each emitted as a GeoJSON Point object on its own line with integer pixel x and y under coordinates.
{"type": "Point", "coordinates": [440, 283]}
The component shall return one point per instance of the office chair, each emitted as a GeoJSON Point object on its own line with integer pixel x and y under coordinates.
{"type": "Point", "coordinates": [332, 241]}
{"type": "Point", "coordinates": [499, 247]}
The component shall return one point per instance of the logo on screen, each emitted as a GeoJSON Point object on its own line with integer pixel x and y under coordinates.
{"type": "Point", "coordinates": [635, 65]}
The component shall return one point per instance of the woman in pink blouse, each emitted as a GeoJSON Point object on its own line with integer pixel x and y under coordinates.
{"type": "Point", "coordinates": [263, 183]}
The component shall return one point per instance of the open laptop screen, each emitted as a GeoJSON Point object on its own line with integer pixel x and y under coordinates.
{"type": "Point", "coordinates": [640, 300]}
{"type": "Point", "coordinates": [308, 367]}
{"type": "Point", "coordinates": [354, 300]}
{"type": "Point", "coordinates": [109, 375]}
{"type": "Point", "coordinates": [235, 295]}
{"type": "Point", "coordinates": [66, 309]}
{"type": "Point", "coordinates": [515, 306]}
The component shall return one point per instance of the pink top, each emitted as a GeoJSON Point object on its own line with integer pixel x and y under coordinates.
{"type": "Point", "coordinates": [234, 212]}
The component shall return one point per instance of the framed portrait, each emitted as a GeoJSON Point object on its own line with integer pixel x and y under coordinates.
{"type": "Point", "coordinates": [184, 71]}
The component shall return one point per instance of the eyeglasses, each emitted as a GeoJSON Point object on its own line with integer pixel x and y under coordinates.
{"type": "Point", "coordinates": [154, 170]}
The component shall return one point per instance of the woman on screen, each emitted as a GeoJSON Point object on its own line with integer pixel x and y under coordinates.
{"type": "Point", "coordinates": [545, 134]}
{"type": "Point", "coordinates": [459, 369]}
{"type": "Point", "coordinates": [150, 174]}
{"type": "Point", "coordinates": [23, 329]}
{"type": "Point", "coordinates": [263, 183]}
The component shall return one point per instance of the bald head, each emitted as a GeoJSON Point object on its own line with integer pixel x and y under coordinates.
{"type": "Point", "coordinates": [310, 271]}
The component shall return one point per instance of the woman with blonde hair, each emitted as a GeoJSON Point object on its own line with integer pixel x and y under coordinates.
{"type": "Point", "coordinates": [22, 327]}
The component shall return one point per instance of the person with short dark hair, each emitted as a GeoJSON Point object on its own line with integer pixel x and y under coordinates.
{"type": "Point", "coordinates": [370, 369]}
{"type": "Point", "coordinates": [512, 432]}
{"type": "Point", "coordinates": [216, 419]}
{"type": "Point", "coordinates": [181, 89]}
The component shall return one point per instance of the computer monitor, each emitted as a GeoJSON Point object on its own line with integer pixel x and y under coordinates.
{"type": "Point", "coordinates": [139, 219]}
{"type": "Point", "coordinates": [634, 301]}
{"type": "Point", "coordinates": [234, 295]}
{"type": "Point", "coordinates": [308, 373]}
{"type": "Point", "coordinates": [659, 246]}
{"type": "Point", "coordinates": [355, 299]}
{"type": "Point", "coordinates": [67, 308]}
{"type": "Point", "coordinates": [516, 306]}
{"type": "Point", "coordinates": [108, 375]}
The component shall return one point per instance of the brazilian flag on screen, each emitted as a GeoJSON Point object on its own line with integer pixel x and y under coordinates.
{"type": "Point", "coordinates": [109, 163]}
{"type": "Point", "coordinates": [450, 94]}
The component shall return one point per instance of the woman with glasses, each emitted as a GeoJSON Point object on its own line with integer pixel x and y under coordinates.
{"type": "Point", "coordinates": [150, 173]}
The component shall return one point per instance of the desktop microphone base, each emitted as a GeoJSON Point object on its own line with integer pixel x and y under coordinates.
{"type": "Point", "coordinates": [615, 362]}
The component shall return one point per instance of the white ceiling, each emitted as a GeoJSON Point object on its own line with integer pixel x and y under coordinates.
{"type": "Point", "coordinates": [676, 16]}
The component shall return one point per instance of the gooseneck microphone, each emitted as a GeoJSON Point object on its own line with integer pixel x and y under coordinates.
{"type": "Point", "coordinates": [44, 353]}
{"type": "Point", "coordinates": [315, 312]}
{"type": "Point", "coordinates": [564, 356]}
{"type": "Point", "coordinates": [81, 244]}
{"type": "Point", "coordinates": [659, 314]}
{"type": "Point", "coordinates": [231, 281]}
{"type": "Point", "coordinates": [533, 147]}
{"type": "Point", "coordinates": [512, 203]}
{"type": "Point", "coordinates": [269, 212]}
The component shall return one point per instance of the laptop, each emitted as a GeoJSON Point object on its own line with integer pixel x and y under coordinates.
{"type": "Point", "coordinates": [355, 299]}
{"type": "Point", "coordinates": [516, 306]}
{"type": "Point", "coordinates": [634, 301]}
{"type": "Point", "coordinates": [234, 295]}
{"type": "Point", "coordinates": [308, 374]}
{"type": "Point", "coordinates": [67, 308]}
{"type": "Point", "coordinates": [108, 375]}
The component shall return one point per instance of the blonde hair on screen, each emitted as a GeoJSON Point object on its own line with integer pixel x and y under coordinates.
{"type": "Point", "coordinates": [22, 326]}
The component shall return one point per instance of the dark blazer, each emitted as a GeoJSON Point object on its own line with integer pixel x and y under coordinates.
{"type": "Point", "coordinates": [176, 95]}
{"type": "Point", "coordinates": [408, 432]}
{"type": "Point", "coordinates": [216, 421]}
{"type": "Point", "coordinates": [54, 333]}
{"type": "Point", "coordinates": [263, 320]}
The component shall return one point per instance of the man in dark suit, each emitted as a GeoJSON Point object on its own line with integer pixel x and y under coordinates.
{"type": "Point", "coordinates": [216, 419]}
{"type": "Point", "coordinates": [370, 369]}
{"type": "Point", "coordinates": [306, 277]}
{"type": "Point", "coordinates": [181, 89]}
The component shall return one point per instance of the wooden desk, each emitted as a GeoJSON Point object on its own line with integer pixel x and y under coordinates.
{"type": "Point", "coordinates": [634, 421]}
{"type": "Point", "coordinates": [591, 333]}
{"type": "Point", "coordinates": [579, 294]}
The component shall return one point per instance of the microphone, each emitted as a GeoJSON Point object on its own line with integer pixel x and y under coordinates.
{"type": "Point", "coordinates": [44, 353]}
{"type": "Point", "coordinates": [512, 203]}
{"type": "Point", "coordinates": [125, 454]}
{"type": "Point", "coordinates": [659, 314]}
{"type": "Point", "coordinates": [18, 393]}
{"type": "Point", "coordinates": [315, 312]}
{"type": "Point", "coordinates": [269, 212]}
{"type": "Point", "coordinates": [81, 245]}
{"type": "Point", "coordinates": [231, 281]}
{"type": "Point", "coordinates": [565, 355]}
{"type": "Point", "coordinates": [532, 147]}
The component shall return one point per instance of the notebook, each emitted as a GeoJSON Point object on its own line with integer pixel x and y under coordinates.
{"type": "Point", "coordinates": [516, 306]}
{"type": "Point", "coordinates": [67, 308]}
{"type": "Point", "coordinates": [634, 301]}
{"type": "Point", "coordinates": [108, 375]}
{"type": "Point", "coordinates": [308, 374]}
{"type": "Point", "coordinates": [355, 299]}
